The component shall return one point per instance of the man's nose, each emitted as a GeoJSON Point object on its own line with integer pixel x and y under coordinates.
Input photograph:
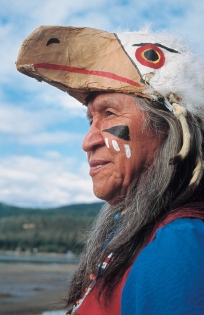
{"type": "Point", "coordinates": [93, 139]}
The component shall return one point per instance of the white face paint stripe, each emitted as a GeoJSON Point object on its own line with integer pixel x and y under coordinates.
{"type": "Point", "coordinates": [127, 150]}
{"type": "Point", "coordinates": [115, 145]}
{"type": "Point", "coordinates": [107, 143]}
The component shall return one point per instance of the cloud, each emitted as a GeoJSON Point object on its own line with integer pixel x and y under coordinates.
{"type": "Point", "coordinates": [44, 182]}
{"type": "Point", "coordinates": [16, 120]}
{"type": "Point", "coordinates": [10, 45]}
{"type": "Point", "coordinates": [32, 130]}
{"type": "Point", "coordinates": [45, 138]}
{"type": "Point", "coordinates": [59, 99]}
{"type": "Point", "coordinates": [49, 10]}
{"type": "Point", "coordinates": [20, 120]}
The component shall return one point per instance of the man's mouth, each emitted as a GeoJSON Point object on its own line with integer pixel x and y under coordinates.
{"type": "Point", "coordinates": [95, 165]}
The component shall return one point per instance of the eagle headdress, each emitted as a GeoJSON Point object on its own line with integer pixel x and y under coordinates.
{"type": "Point", "coordinates": [81, 60]}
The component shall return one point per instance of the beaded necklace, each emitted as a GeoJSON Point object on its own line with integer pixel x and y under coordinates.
{"type": "Point", "coordinates": [100, 270]}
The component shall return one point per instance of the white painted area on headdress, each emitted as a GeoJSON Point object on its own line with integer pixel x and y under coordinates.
{"type": "Point", "coordinates": [127, 150]}
{"type": "Point", "coordinates": [128, 39]}
{"type": "Point", "coordinates": [107, 143]}
{"type": "Point", "coordinates": [182, 71]}
{"type": "Point", "coordinates": [115, 145]}
{"type": "Point", "coordinates": [156, 76]}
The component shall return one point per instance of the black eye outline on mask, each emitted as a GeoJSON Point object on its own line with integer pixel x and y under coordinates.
{"type": "Point", "coordinates": [53, 41]}
{"type": "Point", "coordinates": [150, 55]}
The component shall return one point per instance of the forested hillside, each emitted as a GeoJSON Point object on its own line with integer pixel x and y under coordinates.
{"type": "Point", "coordinates": [47, 230]}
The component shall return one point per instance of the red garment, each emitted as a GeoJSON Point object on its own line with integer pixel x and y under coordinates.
{"type": "Point", "coordinates": [91, 306]}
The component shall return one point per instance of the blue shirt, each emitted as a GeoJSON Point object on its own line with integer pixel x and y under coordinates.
{"type": "Point", "coordinates": [167, 277]}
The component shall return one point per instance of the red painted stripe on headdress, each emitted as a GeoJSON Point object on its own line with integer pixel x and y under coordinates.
{"type": "Point", "coordinates": [85, 71]}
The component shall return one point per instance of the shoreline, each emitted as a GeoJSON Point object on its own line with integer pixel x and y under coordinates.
{"type": "Point", "coordinates": [40, 257]}
{"type": "Point", "coordinates": [31, 289]}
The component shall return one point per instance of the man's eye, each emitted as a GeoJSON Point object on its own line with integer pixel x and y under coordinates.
{"type": "Point", "coordinates": [109, 113]}
{"type": "Point", "coordinates": [90, 118]}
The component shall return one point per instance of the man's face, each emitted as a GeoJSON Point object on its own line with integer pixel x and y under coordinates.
{"type": "Point", "coordinates": [118, 146]}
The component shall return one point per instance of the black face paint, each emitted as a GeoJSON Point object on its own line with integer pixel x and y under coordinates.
{"type": "Point", "coordinates": [120, 131]}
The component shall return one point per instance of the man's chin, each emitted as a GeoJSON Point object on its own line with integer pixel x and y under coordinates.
{"type": "Point", "coordinates": [112, 198]}
{"type": "Point", "coordinates": [101, 194]}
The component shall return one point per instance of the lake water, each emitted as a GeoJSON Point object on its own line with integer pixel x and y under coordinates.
{"type": "Point", "coordinates": [54, 313]}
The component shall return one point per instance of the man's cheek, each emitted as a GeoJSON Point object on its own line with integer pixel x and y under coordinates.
{"type": "Point", "coordinates": [120, 134]}
{"type": "Point", "coordinates": [118, 146]}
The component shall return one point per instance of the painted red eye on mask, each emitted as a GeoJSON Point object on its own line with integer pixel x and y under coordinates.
{"type": "Point", "coordinates": [150, 56]}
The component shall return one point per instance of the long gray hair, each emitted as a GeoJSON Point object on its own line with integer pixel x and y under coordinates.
{"type": "Point", "coordinates": [160, 189]}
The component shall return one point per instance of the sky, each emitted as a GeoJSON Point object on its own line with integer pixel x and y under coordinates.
{"type": "Point", "coordinates": [41, 128]}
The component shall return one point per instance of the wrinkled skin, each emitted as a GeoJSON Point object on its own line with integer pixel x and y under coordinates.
{"type": "Point", "coordinates": [112, 171]}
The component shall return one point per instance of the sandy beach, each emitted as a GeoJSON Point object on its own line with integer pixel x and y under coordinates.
{"type": "Point", "coordinates": [30, 289]}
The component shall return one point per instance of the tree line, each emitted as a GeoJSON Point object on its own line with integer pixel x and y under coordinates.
{"type": "Point", "coordinates": [49, 230]}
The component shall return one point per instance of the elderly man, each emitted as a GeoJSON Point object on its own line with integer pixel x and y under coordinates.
{"type": "Point", "coordinates": [144, 96]}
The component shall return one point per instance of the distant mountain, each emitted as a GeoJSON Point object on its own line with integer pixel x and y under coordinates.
{"type": "Point", "coordinates": [82, 210]}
